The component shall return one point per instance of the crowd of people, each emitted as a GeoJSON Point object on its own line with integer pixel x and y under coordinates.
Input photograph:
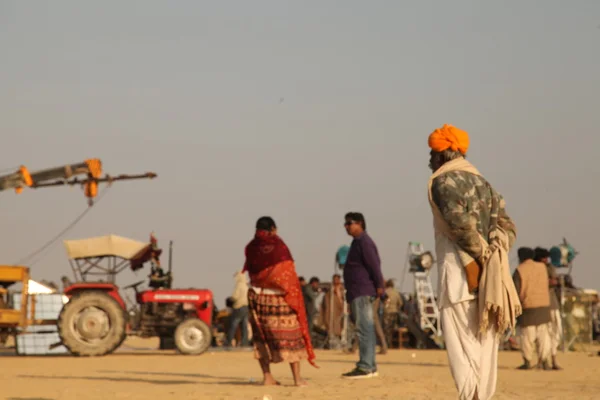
{"type": "Point", "coordinates": [281, 308]}
{"type": "Point", "coordinates": [478, 298]}
{"type": "Point", "coordinates": [326, 309]}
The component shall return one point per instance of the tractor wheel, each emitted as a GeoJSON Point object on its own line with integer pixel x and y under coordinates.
{"type": "Point", "coordinates": [92, 323]}
{"type": "Point", "coordinates": [192, 336]}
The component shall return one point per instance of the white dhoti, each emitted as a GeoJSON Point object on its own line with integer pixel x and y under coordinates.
{"type": "Point", "coordinates": [555, 330]}
{"type": "Point", "coordinates": [473, 357]}
{"type": "Point", "coordinates": [535, 339]}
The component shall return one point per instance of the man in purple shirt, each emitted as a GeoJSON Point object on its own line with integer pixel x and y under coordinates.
{"type": "Point", "coordinates": [364, 284]}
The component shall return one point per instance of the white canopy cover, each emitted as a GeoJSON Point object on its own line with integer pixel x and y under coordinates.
{"type": "Point", "coordinates": [102, 246]}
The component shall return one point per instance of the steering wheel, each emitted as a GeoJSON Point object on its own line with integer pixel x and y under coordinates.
{"type": "Point", "coordinates": [134, 285]}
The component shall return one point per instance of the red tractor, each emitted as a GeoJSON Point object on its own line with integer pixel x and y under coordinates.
{"type": "Point", "coordinates": [95, 321]}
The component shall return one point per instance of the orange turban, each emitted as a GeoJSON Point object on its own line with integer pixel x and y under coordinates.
{"type": "Point", "coordinates": [449, 137]}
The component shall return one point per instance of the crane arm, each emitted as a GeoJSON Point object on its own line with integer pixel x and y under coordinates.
{"type": "Point", "coordinates": [18, 179]}
{"type": "Point", "coordinates": [60, 176]}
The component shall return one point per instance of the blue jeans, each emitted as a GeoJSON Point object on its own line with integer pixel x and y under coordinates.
{"type": "Point", "coordinates": [361, 309]}
{"type": "Point", "coordinates": [238, 315]}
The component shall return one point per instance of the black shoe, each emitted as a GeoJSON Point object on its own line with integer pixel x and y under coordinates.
{"type": "Point", "coordinates": [359, 374]}
{"type": "Point", "coordinates": [526, 365]}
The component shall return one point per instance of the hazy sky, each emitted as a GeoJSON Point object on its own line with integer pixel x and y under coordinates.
{"type": "Point", "coordinates": [191, 90]}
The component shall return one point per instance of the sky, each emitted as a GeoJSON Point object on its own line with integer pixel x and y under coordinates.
{"type": "Point", "coordinates": [298, 110]}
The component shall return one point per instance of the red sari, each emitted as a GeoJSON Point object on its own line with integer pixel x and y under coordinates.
{"type": "Point", "coordinates": [266, 257]}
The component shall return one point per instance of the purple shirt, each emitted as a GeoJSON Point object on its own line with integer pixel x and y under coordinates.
{"type": "Point", "coordinates": [362, 272]}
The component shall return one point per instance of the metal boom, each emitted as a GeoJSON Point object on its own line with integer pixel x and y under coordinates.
{"type": "Point", "coordinates": [61, 176]}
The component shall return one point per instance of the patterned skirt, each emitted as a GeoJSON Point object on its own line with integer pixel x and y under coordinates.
{"type": "Point", "coordinates": [276, 331]}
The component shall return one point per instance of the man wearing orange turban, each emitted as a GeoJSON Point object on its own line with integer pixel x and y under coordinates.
{"type": "Point", "coordinates": [473, 234]}
{"type": "Point", "coordinates": [449, 137]}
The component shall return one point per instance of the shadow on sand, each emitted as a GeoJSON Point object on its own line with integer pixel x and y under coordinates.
{"type": "Point", "coordinates": [28, 398]}
{"type": "Point", "coordinates": [203, 379]}
{"type": "Point", "coordinates": [405, 363]}
{"type": "Point", "coordinates": [110, 379]}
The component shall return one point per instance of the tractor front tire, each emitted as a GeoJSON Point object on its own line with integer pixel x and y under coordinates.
{"type": "Point", "coordinates": [91, 324]}
{"type": "Point", "coordinates": [192, 337]}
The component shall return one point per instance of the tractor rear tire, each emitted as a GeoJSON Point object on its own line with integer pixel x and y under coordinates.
{"type": "Point", "coordinates": [99, 312]}
{"type": "Point", "coordinates": [192, 337]}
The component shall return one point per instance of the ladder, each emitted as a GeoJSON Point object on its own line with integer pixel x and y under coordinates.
{"type": "Point", "coordinates": [429, 314]}
{"type": "Point", "coordinates": [428, 309]}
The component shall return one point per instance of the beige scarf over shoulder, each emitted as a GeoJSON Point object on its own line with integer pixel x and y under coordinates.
{"type": "Point", "coordinates": [498, 299]}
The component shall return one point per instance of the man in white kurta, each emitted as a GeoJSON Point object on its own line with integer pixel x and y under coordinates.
{"type": "Point", "coordinates": [467, 213]}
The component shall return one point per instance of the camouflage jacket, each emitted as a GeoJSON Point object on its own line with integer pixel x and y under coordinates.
{"type": "Point", "coordinates": [465, 201]}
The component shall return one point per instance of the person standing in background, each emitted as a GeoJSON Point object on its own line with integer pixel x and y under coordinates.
{"type": "Point", "coordinates": [239, 314]}
{"type": "Point", "coordinates": [364, 284]}
{"type": "Point", "coordinates": [391, 310]}
{"type": "Point", "coordinates": [555, 328]}
{"type": "Point", "coordinates": [310, 293]}
{"type": "Point", "coordinates": [531, 281]}
{"type": "Point", "coordinates": [377, 322]}
{"type": "Point", "coordinates": [332, 308]}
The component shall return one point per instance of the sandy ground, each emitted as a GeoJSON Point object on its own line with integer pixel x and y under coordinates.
{"type": "Point", "coordinates": [137, 372]}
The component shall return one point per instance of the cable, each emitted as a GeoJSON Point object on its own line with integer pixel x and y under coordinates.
{"type": "Point", "coordinates": [61, 233]}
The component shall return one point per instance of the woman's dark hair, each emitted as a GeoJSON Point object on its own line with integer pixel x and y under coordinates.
{"type": "Point", "coordinates": [357, 217]}
{"type": "Point", "coordinates": [265, 224]}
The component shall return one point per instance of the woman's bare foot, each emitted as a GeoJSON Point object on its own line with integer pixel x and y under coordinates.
{"type": "Point", "coordinates": [298, 381]}
{"type": "Point", "coordinates": [270, 381]}
{"type": "Point", "coordinates": [301, 383]}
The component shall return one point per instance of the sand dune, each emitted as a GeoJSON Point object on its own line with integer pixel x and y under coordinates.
{"type": "Point", "coordinates": [138, 373]}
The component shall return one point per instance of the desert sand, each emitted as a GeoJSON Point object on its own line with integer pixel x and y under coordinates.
{"type": "Point", "coordinates": [137, 371]}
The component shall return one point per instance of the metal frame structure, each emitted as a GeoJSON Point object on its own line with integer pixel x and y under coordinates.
{"type": "Point", "coordinates": [84, 267]}
{"type": "Point", "coordinates": [570, 334]}
{"type": "Point", "coordinates": [429, 314]}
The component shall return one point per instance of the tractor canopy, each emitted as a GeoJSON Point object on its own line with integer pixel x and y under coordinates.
{"type": "Point", "coordinates": [137, 253]}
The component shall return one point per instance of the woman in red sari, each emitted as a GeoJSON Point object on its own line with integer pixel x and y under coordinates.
{"type": "Point", "coordinates": [277, 313]}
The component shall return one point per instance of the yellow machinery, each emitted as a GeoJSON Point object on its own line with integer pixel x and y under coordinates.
{"type": "Point", "coordinates": [11, 319]}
